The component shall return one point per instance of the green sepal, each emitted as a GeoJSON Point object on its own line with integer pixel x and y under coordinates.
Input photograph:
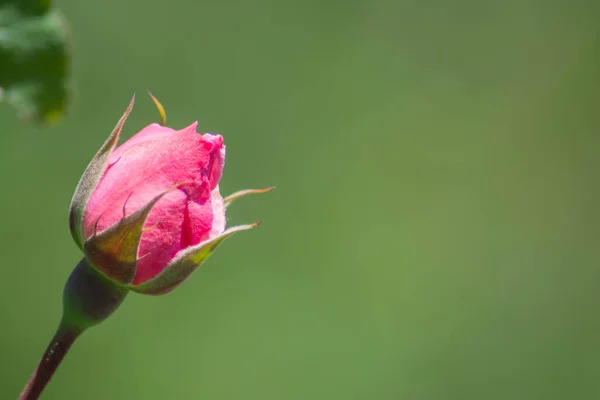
{"type": "Point", "coordinates": [114, 250]}
{"type": "Point", "coordinates": [229, 199]}
{"type": "Point", "coordinates": [185, 263]}
{"type": "Point", "coordinates": [90, 179]}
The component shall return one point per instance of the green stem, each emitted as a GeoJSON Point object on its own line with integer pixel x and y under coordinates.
{"type": "Point", "coordinates": [54, 354]}
{"type": "Point", "coordinates": [88, 299]}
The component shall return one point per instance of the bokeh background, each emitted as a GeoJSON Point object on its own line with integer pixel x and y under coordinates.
{"type": "Point", "coordinates": [433, 235]}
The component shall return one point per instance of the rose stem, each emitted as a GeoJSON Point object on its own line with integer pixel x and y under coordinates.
{"type": "Point", "coordinates": [54, 354]}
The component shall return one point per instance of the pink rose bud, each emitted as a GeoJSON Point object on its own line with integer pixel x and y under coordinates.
{"type": "Point", "coordinates": [147, 213]}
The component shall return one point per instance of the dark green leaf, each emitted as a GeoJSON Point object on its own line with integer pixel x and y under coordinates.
{"type": "Point", "coordinates": [34, 59]}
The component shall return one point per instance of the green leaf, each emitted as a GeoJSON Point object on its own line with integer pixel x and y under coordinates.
{"type": "Point", "coordinates": [34, 59]}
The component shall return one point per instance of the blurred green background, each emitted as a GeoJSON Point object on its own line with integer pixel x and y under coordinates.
{"type": "Point", "coordinates": [433, 235]}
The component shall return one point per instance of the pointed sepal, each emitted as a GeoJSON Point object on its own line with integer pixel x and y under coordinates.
{"type": "Point", "coordinates": [185, 263]}
{"type": "Point", "coordinates": [90, 179]}
{"type": "Point", "coordinates": [161, 109]}
{"type": "Point", "coordinates": [229, 199]}
{"type": "Point", "coordinates": [114, 250]}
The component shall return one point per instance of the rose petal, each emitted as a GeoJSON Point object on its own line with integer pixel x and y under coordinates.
{"type": "Point", "coordinates": [149, 163]}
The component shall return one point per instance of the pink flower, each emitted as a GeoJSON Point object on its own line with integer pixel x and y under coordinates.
{"type": "Point", "coordinates": [149, 212]}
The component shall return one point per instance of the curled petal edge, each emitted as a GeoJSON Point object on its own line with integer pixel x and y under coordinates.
{"type": "Point", "coordinates": [185, 263]}
{"type": "Point", "coordinates": [90, 179]}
